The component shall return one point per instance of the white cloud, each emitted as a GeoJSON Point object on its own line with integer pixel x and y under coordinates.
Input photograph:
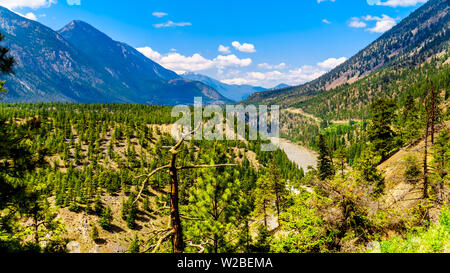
{"type": "Point", "coordinates": [31, 16]}
{"type": "Point", "coordinates": [268, 66]}
{"type": "Point", "coordinates": [332, 62]}
{"type": "Point", "coordinates": [224, 49]}
{"type": "Point", "coordinates": [245, 47]}
{"type": "Point", "coordinates": [177, 62]}
{"type": "Point", "coordinates": [180, 63]}
{"type": "Point", "coordinates": [159, 14]}
{"type": "Point", "coordinates": [269, 79]}
{"type": "Point", "coordinates": [222, 61]}
{"type": "Point", "coordinates": [172, 24]}
{"type": "Point", "coordinates": [396, 3]}
{"type": "Point", "coordinates": [13, 4]}
{"type": "Point", "coordinates": [150, 53]}
{"type": "Point", "coordinates": [319, 1]}
{"type": "Point", "coordinates": [326, 21]}
{"type": "Point", "coordinates": [356, 23]}
{"type": "Point", "coordinates": [383, 24]}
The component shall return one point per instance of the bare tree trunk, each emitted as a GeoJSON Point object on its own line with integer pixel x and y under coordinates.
{"type": "Point", "coordinates": [216, 244]}
{"type": "Point", "coordinates": [247, 232]}
{"type": "Point", "coordinates": [175, 219]}
{"type": "Point", "coordinates": [177, 239]}
{"type": "Point", "coordinates": [265, 214]}
{"type": "Point", "coordinates": [425, 163]}
{"type": "Point", "coordinates": [36, 229]}
{"type": "Point", "coordinates": [433, 113]}
{"type": "Point", "coordinates": [277, 199]}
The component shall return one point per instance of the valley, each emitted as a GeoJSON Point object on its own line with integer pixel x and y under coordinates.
{"type": "Point", "coordinates": [89, 164]}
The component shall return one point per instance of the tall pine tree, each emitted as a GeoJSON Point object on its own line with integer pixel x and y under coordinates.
{"type": "Point", "coordinates": [380, 133]}
{"type": "Point", "coordinates": [325, 163]}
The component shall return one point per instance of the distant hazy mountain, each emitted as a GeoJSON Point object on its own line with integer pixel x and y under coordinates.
{"type": "Point", "coordinates": [234, 92]}
{"type": "Point", "coordinates": [281, 86]}
{"type": "Point", "coordinates": [420, 36]}
{"type": "Point", "coordinates": [81, 64]}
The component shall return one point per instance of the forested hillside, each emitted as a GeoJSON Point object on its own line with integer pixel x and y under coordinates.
{"type": "Point", "coordinates": [92, 156]}
{"type": "Point", "coordinates": [86, 169]}
{"type": "Point", "coordinates": [81, 64]}
{"type": "Point", "coordinates": [111, 178]}
{"type": "Point", "coordinates": [414, 40]}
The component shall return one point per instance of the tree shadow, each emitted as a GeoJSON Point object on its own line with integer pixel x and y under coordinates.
{"type": "Point", "coordinates": [100, 241]}
{"type": "Point", "coordinates": [115, 229]}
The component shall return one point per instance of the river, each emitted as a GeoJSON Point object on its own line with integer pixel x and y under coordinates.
{"type": "Point", "coordinates": [300, 155]}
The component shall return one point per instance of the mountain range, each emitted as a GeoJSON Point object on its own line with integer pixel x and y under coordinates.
{"type": "Point", "coordinates": [232, 91]}
{"type": "Point", "coordinates": [81, 64]}
{"type": "Point", "coordinates": [422, 35]}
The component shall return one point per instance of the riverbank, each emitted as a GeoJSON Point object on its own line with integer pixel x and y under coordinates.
{"type": "Point", "coordinates": [298, 154]}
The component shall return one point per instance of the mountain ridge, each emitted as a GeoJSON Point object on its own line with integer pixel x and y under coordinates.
{"type": "Point", "coordinates": [231, 91]}
{"type": "Point", "coordinates": [52, 69]}
{"type": "Point", "coordinates": [424, 33]}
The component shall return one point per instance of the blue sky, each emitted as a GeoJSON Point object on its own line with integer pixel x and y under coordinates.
{"type": "Point", "coordinates": [263, 42]}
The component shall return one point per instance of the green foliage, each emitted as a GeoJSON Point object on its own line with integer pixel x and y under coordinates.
{"type": "Point", "coordinates": [325, 164]}
{"type": "Point", "coordinates": [20, 155]}
{"type": "Point", "coordinates": [134, 246]}
{"type": "Point", "coordinates": [216, 201]}
{"type": "Point", "coordinates": [407, 122]}
{"type": "Point", "coordinates": [277, 185]}
{"type": "Point", "coordinates": [263, 197]}
{"type": "Point", "coordinates": [106, 218]}
{"type": "Point", "coordinates": [412, 169]}
{"type": "Point", "coordinates": [367, 169]}
{"type": "Point", "coordinates": [129, 211]}
{"type": "Point", "coordinates": [435, 239]}
{"type": "Point", "coordinates": [6, 62]}
{"type": "Point", "coordinates": [380, 134]}
{"type": "Point", "coordinates": [441, 154]}
{"type": "Point", "coordinates": [341, 157]}
{"type": "Point", "coordinates": [94, 233]}
{"type": "Point", "coordinates": [306, 230]}
{"type": "Point", "coordinates": [263, 238]}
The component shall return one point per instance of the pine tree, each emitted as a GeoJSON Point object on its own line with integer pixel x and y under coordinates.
{"type": "Point", "coordinates": [341, 157]}
{"type": "Point", "coordinates": [278, 188]}
{"type": "Point", "coordinates": [433, 111]}
{"type": "Point", "coordinates": [18, 158]}
{"type": "Point", "coordinates": [263, 197]}
{"type": "Point", "coordinates": [98, 206]}
{"type": "Point", "coordinates": [106, 218]}
{"type": "Point", "coordinates": [325, 163]}
{"type": "Point", "coordinates": [213, 200]}
{"type": "Point", "coordinates": [262, 244]}
{"type": "Point", "coordinates": [94, 233]}
{"type": "Point", "coordinates": [6, 62]}
{"type": "Point", "coordinates": [146, 204]}
{"type": "Point", "coordinates": [409, 125]}
{"type": "Point", "coordinates": [409, 111]}
{"type": "Point", "coordinates": [131, 218]}
{"type": "Point", "coordinates": [134, 246]}
{"type": "Point", "coordinates": [380, 133]}
{"type": "Point", "coordinates": [441, 162]}
{"type": "Point", "coordinates": [367, 167]}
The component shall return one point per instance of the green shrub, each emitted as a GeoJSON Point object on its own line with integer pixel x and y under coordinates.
{"type": "Point", "coordinates": [436, 239]}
